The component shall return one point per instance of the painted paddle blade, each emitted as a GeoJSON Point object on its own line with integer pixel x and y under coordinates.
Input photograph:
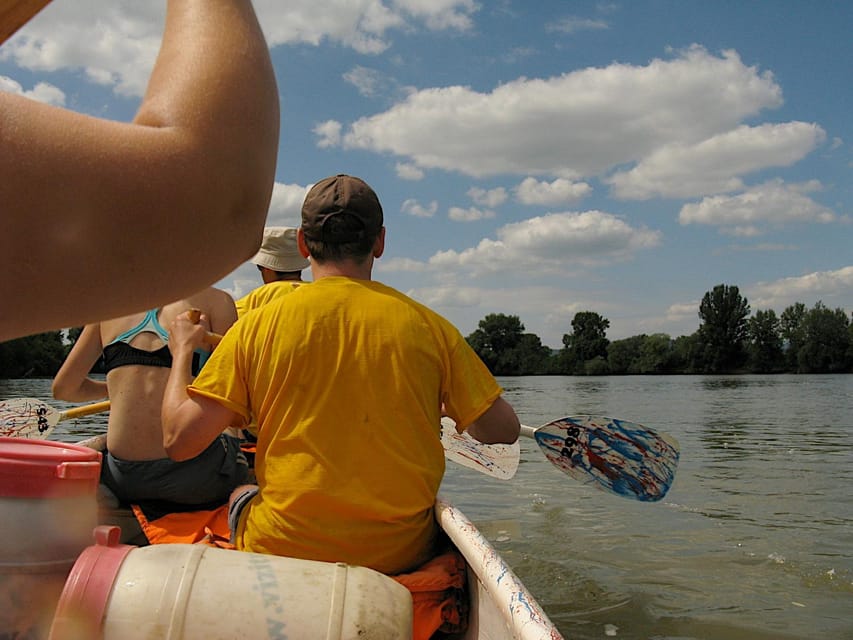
{"type": "Point", "coordinates": [621, 457]}
{"type": "Point", "coordinates": [497, 460]}
{"type": "Point", "coordinates": [34, 419]}
{"type": "Point", "coordinates": [27, 418]}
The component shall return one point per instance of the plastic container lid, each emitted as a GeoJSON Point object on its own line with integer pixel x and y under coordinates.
{"type": "Point", "coordinates": [84, 598]}
{"type": "Point", "coordinates": [47, 469]}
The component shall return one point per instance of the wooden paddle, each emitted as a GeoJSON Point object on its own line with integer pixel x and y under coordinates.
{"type": "Point", "coordinates": [617, 456]}
{"type": "Point", "coordinates": [34, 419]}
{"type": "Point", "coordinates": [14, 14]}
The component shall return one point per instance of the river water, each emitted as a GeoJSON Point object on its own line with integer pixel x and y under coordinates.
{"type": "Point", "coordinates": [753, 541]}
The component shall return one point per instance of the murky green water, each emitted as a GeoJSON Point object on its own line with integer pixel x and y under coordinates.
{"type": "Point", "coordinates": [754, 540]}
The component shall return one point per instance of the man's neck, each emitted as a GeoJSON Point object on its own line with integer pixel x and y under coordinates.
{"type": "Point", "coordinates": [345, 268]}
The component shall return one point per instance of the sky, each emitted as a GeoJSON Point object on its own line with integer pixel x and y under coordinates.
{"type": "Point", "coordinates": [538, 159]}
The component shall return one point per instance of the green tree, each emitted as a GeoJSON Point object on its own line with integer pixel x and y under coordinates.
{"type": "Point", "coordinates": [528, 357]}
{"type": "Point", "coordinates": [497, 334]}
{"type": "Point", "coordinates": [587, 341]}
{"type": "Point", "coordinates": [793, 333]}
{"type": "Point", "coordinates": [621, 354]}
{"type": "Point", "coordinates": [689, 354]}
{"type": "Point", "coordinates": [826, 341]}
{"type": "Point", "coordinates": [765, 342]}
{"type": "Point", "coordinates": [39, 355]}
{"type": "Point", "coordinates": [656, 355]}
{"type": "Point", "coordinates": [723, 312]}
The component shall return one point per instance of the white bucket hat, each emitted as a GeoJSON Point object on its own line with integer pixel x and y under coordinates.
{"type": "Point", "coordinates": [279, 251]}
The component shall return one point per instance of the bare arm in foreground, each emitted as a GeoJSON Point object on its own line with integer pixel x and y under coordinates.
{"type": "Point", "coordinates": [95, 213]}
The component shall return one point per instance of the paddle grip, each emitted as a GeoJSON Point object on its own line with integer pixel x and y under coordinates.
{"type": "Point", "coordinates": [209, 337]}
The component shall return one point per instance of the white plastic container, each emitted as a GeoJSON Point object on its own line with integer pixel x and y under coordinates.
{"type": "Point", "coordinates": [48, 508]}
{"type": "Point", "coordinates": [194, 591]}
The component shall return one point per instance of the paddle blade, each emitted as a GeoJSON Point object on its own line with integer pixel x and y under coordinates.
{"type": "Point", "coordinates": [27, 418]}
{"type": "Point", "coordinates": [496, 460]}
{"type": "Point", "coordinates": [613, 455]}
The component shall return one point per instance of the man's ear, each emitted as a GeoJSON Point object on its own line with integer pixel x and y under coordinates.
{"type": "Point", "coordinates": [300, 243]}
{"type": "Point", "coordinates": [379, 245]}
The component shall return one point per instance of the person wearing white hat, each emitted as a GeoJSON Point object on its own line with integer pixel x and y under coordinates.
{"type": "Point", "coordinates": [280, 264]}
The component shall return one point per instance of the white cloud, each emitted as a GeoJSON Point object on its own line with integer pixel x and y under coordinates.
{"type": "Point", "coordinates": [560, 191]}
{"type": "Point", "coordinates": [550, 243]}
{"type": "Point", "coordinates": [447, 296]}
{"type": "Point", "coordinates": [488, 197]}
{"type": "Point", "coordinates": [408, 171]}
{"type": "Point", "coordinates": [328, 134]}
{"type": "Point", "coordinates": [366, 81]}
{"type": "Point", "coordinates": [581, 123]}
{"type": "Point", "coordinates": [573, 24]}
{"type": "Point", "coordinates": [41, 92]}
{"type": "Point", "coordinates": [441, 14]}
{"type": "Point", "coordinates": [286, 205]}
{"type": "Point", "coordinates": [682, 310]}
{"type": "Point", "coordinates": [715, 165]}
{"type": "Point", "coordinates": [414, 208]}
{"type": "Point", "coordinates": [409, 265]}
{"type": "Point", "coordinates": [115, 43]}
{"type": "Point", "coordinates": [834, 288]}
{"type": "Point", "coordinates": [773, 204]}
{"type": "Point", "coordinates": [471, 214]}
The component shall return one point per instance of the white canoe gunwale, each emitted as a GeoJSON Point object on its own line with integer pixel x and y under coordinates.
{"type": "Point", "coordinates": [501, 606]}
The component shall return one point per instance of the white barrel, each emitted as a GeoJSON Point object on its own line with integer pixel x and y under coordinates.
{"type": "Point", "coordinates": [194, 591]}
{"type": "Point", "coordinates": [49, 506]}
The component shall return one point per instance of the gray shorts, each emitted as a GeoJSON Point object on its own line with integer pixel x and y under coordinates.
{"type": "Point", "coordinates": [206, 480]}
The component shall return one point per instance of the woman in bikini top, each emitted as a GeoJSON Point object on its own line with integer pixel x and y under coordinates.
{"type": "Point", "coordinates": [120, 352]}
{"type": "Point", "coordinates": [136, 357]}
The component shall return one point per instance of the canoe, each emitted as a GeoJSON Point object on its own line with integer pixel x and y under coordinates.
{"type": "Point", "coordinates": [500, 606]}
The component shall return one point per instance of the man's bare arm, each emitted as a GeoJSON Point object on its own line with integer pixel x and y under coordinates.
{"type": "Point", "coordinates": [190, 423]}
{"type": "Point", "coordinates": [498, 425]}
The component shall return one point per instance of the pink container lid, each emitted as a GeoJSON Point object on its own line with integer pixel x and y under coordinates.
{"type": "Point", "coordinates": [83, 603]}
{"type": "Point", "coordinates": [47, 469]}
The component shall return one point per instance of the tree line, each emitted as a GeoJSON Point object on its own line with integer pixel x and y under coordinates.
{"type": "Point", "coordinates": [729, 340]}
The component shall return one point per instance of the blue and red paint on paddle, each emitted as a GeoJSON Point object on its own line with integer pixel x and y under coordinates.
{"type": "Point", "coordinates": [621, 457]}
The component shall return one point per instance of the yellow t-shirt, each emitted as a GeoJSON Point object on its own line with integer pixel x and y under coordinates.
{"type": "Point", "coordinates": [265, 293]}
{"type": "Point", "coordinates": [346, 378]}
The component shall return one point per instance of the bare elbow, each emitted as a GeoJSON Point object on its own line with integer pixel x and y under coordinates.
{"type": "Point", "coordinates": [63, 391]}
{"type": "Point", "coordinates": [498, 425]}
{"type": "Point", "coordinates": [504, 433]}
{"type": "Point", "coordinates": [57, 391]}
{"type": "Point", "coordinates": [175, 446]}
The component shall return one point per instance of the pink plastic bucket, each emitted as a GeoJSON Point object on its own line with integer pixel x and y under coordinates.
{"type": "Point", "coordinates": [48, 508]}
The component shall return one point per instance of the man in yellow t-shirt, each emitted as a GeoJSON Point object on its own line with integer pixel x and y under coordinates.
{"type": "Point", "coordinates": [347, 379]}
{"type": "Point", "coordinates": [280, 264]}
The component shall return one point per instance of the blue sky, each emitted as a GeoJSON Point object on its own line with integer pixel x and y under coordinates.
{"type": "Point", "coordinates": [538, 158]}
